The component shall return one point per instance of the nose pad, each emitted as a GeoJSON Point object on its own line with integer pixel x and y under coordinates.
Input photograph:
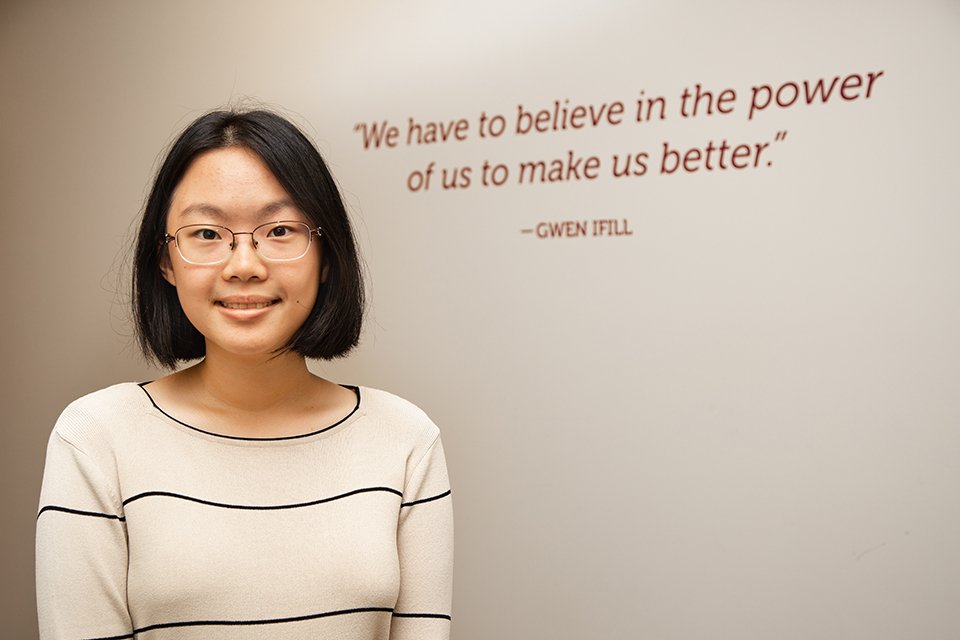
{"type": "Point", "coordinates": [233, 245]}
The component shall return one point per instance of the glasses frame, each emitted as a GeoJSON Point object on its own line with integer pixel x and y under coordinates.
{"type": "Point", "coordinates": [168, 238]}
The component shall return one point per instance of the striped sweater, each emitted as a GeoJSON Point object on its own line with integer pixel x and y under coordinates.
{"type": "Point", "coordinates": [150, 528]}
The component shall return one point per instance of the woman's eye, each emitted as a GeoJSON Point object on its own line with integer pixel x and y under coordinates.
{"type": "Point", "coordinates": [280, 232]}
{"type": "Point", "coordinates": [207, 234]}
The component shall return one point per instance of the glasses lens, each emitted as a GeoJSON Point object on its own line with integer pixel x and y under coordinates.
{"type": "Point", "coordinates": [285, 240]}
{"type": "Point", "coordinates": [204, 244]}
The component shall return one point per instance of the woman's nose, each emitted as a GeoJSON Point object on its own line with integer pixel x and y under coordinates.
{"type": "Point", "coordinates": [244, 261]}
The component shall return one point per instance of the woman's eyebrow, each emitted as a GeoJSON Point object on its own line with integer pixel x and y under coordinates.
{"type": "Point", "coordinates": [202, 208]}
{"type": "Point", "coordinates": [211, 211]}
{"type": "Point", "coordinates": [273, 207]}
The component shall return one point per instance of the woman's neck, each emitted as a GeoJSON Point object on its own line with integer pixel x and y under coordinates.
{"type": "Point", "coordinates": [226, 382]}
{"type": "Point", "coordinates": [264, 397]}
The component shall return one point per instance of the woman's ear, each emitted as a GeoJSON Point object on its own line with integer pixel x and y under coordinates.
{"type": "Point", "coordinates": [166, 267]}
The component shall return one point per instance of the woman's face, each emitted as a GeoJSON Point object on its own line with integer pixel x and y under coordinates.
{"type": "Point", "coordinates": [245, 305]}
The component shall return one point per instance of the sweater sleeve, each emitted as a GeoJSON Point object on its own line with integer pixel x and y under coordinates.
{"type": "Point", "coordinates": [425, 545]}
{"type": "Point", "coordinates": [81, 543]}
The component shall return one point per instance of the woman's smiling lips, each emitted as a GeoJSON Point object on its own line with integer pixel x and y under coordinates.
{"type": "Point", "coordinates": [245, 307]}
{"type": "Point", "coordinates": [249, 305]}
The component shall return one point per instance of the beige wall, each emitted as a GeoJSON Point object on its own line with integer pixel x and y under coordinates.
{"type": "Point", "coordinates": [738, 422]}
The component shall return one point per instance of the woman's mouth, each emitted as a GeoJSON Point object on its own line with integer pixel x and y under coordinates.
{"type": "Point", "coordinates": [246, 305]}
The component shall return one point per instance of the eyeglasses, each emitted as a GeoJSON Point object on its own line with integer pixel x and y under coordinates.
{"type": "Point", "coordinates": [209, 243]}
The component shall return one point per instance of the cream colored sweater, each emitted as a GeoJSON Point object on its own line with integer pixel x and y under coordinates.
{"type": "Point", "coordinates": [152, 529]}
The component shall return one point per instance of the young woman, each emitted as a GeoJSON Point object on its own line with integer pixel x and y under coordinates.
{"type": "Point", "coordinates": [244, 497]}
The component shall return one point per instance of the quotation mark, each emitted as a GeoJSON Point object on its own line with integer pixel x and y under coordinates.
{"type": "Point", "coordinates": [781, 135]}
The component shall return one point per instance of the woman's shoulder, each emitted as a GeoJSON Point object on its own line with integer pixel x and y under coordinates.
{"type": "Point", "coordinates": [395, 412]}
{"type": "Point", "coordinates": [96, 414]}
{"type": "Point", "coordinates": [116, 397]}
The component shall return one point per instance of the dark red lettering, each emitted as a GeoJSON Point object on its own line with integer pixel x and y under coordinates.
{"type": "Point", "coordinates": [592, 164]}
{"type": "Point", "coordinates": [741, 151]}
{"type": "Point", "coordinates": [850, 82]}
{"type": "Point", "coordinates": [706, 161]}
{"type": "Point", "coordinates": [700, 96]}
{"type": "Point", "coordinates": [672, 155]}
{"type": "Point", "coordinates": [754, 106]}
{"type": "Point", "coordinates": [578, 113]}
{"type": "Point", "coordinates": [573, 167]}
{"type": "Point", "coordinates": [683, 102]}
{"type": "Point", "coordinates": [760, 147]}
{"type": "Point", "coordinates": [542, 118]}
{"type": "Point", "coordinates": [723, 151]}
{"type": "Point", "coordinates": [523, 117]}
{"type": "Point", "coordinates": [726, 96]}
{"type": "Point", "coordinates": [796, 94]}
{"type": "Point", "coordinates": [818, 88]}
{"type": "Point", "coordinates": [596, 116]}
{"type": "Point", "coordinates": [375, 135]}
{"type": "Point", "coordinates": [615, 109]}
{"type": "Point", "coordinates": [870, 79]}
{"type": "Point", "coordinates": [533, 166]}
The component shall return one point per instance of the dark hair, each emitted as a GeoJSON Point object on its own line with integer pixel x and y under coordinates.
{"type": "Point", "coordinates": [333, 327]}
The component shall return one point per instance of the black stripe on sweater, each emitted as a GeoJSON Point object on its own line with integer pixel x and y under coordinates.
{"type": "Point", "coordinates": [356, 407]}
{"type": "Point", "coordinates": [441, 616]}
{"type": "Point", "coordinates": [78, 512]}
{"type": "Point", "coordinates": [430, 499]}
{"type": "Point", "coordinates": [167, 494]}
{"type": "Point", "coordinates": [123, 637]}
{"type": "Point", "coordinates": [240, 623]}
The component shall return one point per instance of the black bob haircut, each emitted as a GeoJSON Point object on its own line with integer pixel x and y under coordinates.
{"type": "Point", "coordinates": [333, 327]}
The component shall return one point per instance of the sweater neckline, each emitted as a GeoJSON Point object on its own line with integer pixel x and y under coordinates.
{"type": "Point", "coordinates": [298, 437]}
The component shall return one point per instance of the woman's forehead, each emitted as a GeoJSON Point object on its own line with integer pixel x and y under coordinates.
{"type": "Point", "coordinates": [230, 184]}
{"type": "Point", "coordinates": [208, 211]}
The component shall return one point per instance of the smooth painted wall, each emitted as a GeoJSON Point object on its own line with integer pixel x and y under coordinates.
{"type": "Point", "coordinates": [708, 398]}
